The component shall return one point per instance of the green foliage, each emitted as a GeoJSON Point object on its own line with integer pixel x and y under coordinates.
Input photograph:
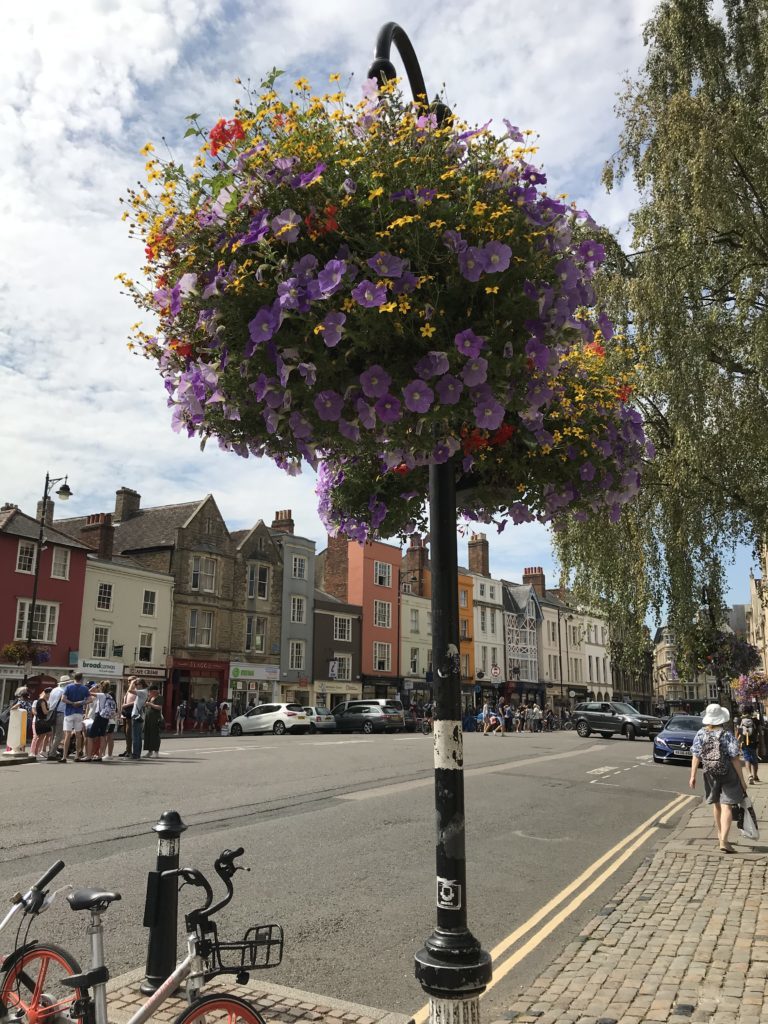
{"type": "Point", "coordinates": [692, 298]}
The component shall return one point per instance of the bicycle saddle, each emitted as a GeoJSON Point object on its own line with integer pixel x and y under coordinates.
{"type": "Point", "coordinates": [90, 899]}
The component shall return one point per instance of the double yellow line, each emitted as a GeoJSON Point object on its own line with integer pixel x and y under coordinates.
{"type": "Point", "coordinates": [614, 858]}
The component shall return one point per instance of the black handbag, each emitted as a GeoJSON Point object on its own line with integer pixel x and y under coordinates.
{"type": "Point", "coordinates": [42, 725]}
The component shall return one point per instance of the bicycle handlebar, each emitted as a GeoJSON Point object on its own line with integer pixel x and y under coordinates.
{"type": "Point", "coordinates": [49, 875]}
{"type": "Point", "coordinates": [225, 869]}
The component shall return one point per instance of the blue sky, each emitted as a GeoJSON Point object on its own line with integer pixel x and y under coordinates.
{"type": "Point", "coordinates": [84, 85]}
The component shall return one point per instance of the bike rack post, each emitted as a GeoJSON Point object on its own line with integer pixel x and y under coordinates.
{"type": "Point", "coordinates": [162, 903]}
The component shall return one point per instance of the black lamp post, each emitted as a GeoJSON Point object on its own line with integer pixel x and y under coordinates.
{"type": "Point", "coordinates": [568, 618]}
{"type": "Point", "coordinates": [713, 623]}
{"type": "Point", "coordinates": [452, 967]}
{"type": "Point", "coordinates": [65, 493]}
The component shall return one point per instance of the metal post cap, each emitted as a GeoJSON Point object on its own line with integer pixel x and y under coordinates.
{"type": "Point", "coordinates": [170, 825]}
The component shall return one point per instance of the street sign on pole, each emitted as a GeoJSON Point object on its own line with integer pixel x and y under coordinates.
{"type": "Point", "coordinates": [495, 671]}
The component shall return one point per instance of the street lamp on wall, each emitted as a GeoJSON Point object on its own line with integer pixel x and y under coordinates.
{"type": "Point", "coordinates": [64, 493]}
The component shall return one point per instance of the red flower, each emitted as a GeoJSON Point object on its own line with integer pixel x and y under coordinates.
{"type": "Point", "coordinates": [402, 469]}
{"type": "Point", "coordinates": [503, 434]}
{"type": "Point", "coordinates": [624, 392]}
{"type": "Point", "coordinates": [473, 441]}
{"type": "Point", "coordinates": [595, 348]}
{"type": "Point", "coordinates": [224, 133]}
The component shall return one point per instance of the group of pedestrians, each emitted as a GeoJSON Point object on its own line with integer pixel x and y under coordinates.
{"type": "Point", "coordinates": [502, 717]}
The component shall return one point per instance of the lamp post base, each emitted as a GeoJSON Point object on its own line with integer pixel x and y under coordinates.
{"type": "Point", "coordinates": [454, 1011]}
{"type": "Point", "coordinates": [451, 976]}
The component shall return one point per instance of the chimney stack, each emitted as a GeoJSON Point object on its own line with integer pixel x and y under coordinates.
{"type": "Point", "coordinates": [477, 549]}
{"type": "Point", "coordinates": [99, 534]}
{"type": "Point", "coordinates": [283, 521]}
{"type": "Point", "coordinates": [535, 577]}
{"type": "Point", "coordinates": [336, 569]}
{"type": "Point", "coordinates": [127, 504]}
{"type": "Point", "coordinates": [414, 572]}
{"type": "Point", "coordinates": [48, 512]}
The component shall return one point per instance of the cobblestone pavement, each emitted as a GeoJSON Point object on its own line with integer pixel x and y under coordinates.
{"type": "Point", "coordinates": [686, 939]}
{"type": "Point", "coordinates": [274, 1002]}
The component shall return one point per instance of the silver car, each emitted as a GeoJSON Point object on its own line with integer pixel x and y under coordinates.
{"type": "Point", "coordinates": [274, 718]}
{"type": "Point", "coordinates": [320, 719]}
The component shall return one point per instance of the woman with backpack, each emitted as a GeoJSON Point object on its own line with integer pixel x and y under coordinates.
{"type": "Point", "coordinates": [717, 751]}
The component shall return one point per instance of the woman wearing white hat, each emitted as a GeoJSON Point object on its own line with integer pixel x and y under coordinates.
{"type": "Point", "coordinates": [717, 751]}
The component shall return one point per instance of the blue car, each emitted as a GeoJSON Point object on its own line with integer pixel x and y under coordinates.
{"type": "Point", "coordinates": [673, 743]}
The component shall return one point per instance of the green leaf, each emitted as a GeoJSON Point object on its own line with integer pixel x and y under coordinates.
{"type": "Point", "coordinates": [191, 131]}
{"type": "Point", "coordinates": [191, 117]}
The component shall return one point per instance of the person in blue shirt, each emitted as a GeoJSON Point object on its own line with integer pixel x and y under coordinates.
{"type": "Point", "coordinates": [76, 697]}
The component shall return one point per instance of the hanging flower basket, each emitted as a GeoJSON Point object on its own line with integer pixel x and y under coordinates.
{"type": "Point", "coordinates": [357, 287]}
{"type": "Point", "coordinates": [19, 652]}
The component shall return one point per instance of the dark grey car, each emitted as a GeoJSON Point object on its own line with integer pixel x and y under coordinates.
{"type": "Point", "coordinates": [367, 718]}
{"type": "Point", "coordinates": [616, 716]}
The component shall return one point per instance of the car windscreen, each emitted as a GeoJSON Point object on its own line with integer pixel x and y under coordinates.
{"type": "Point", "coordinates": [322, 711]}
{"type": "Point", "coordinates": [684, 722]}
{"type": "Point", "coordinates": [294, 707]}
{"type": "Point", "coordinates": [624, 709]}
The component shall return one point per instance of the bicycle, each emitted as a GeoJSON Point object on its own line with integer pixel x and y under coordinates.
{"type": "Point", "coordinates": [207, 956]}
{"type": "Point", "coordinates": [31, 977]}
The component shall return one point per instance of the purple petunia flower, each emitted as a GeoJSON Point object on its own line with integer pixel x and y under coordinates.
{"type": "Point", "coordinates": [309, 372]}
{"type": "Point", "coordinates": [433, 364]}
{"type": "Point", "coordinates": [469, 344]}
{"type": "Point", "coordinates": [591, 252]}
{"type": "Point", "coordinates": [418, 396]}
{"type": "Point", "coordinates": [368, 295]}
{"type": "Point", "coordinates": [513, 132]}
{"type": "Point", "coordinates": [388, 409]}
{"type": "Point", "coordinates": [330, 277]}
{"type": "Point", "coordinates": [497, 257]}
{"type": "Point", "coordinates": [365, 414]}
{"type": "Point", "coordinates": [329, 405]}
{"type": "Point", "coordinates": [375, 381]}
{"type": "Point", "coordinates": [262, 328]}
{"type": "Point", "coordinates": [289, 293]}
{"type": "Point", "coordinates": [286, 225]}
{"type": "Point", "coordinates": [472, 263]}
{"type": "Point", "coordinates": [308, 177]}
{"type": "Point", "coordinates": [475, 372]}
{"type": "Point", "coordinates": [332, 329]}
{"type": "Point", "coordinates": [405, 283]}
{"type": "Point", "coordinates": [349, 430]}
{"type": "Point", "coordinates": [349, 186]}
{"type": "Point", "coordinates": [301, 428]}
{"type": "Point", "coordinates": [489, 414]}
{"type": "Point", "coordinates": [454, 241]}
{"type": "Point", "coordinates": [386, 265]}
{"type": "Point", "coordinates": [449, 390]}
{"type": "Point", "coordinates": [257, 229]}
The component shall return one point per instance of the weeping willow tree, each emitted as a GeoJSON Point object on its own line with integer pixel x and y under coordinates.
{"type": "Point", "coordinates": [692, 299]}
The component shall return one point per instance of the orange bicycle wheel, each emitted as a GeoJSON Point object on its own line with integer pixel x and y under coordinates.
{"type": "Point", "coordinates": [31, 985]}
{"type": "Point", "coordinates": [220, 1009]}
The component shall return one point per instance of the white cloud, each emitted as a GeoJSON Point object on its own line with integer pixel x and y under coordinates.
{"type": "Point", "coordinates": [84, 84]}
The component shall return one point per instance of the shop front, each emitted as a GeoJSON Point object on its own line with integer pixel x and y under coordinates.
{"type": "Point", "coordinates": [327, 693]}
{"type": "Point", "coordinates": [194, 682]}
{"type": "Point", "coordinates": [34, 677]}
{"type": "Point", "coordinates": [251, 684]}
{"type": "Point", "coordinates": [386, 687]}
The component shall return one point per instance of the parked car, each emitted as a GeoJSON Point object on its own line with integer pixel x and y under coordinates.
{"type": "Point", "coordinates": [609, 717]}
{"type": "Point", "coordinates": [393, 707]}
{"type": "Point", "coordinates": [276, 718]}
{"type": "Point", "coordinates": [355, 716]}
{"type": "Point", "coordinates": [320, 719]}
{"type": "Point", "coordinates": [673, 743]}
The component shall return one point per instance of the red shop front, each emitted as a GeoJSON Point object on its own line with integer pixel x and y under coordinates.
{"type": "Point", "coordinates": [194, 680]}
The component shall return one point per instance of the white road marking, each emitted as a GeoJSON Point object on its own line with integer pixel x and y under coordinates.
{"type": "Point", "coordinates": [541, 839]}
{"type": "Point", "coordinates": [602, 771]}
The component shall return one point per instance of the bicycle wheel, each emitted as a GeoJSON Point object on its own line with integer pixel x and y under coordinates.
{"type": "Point", "coordinates": [220, 1009]}
{"type": "Point", "coordinates": [31, 985]}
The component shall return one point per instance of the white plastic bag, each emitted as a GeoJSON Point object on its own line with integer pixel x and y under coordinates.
{"type": "Point", "coordinates": [749, 827]}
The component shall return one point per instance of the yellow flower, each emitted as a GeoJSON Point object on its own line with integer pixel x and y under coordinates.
{"type": "Point", "coordinates": [375, 193]}
{"type": "Point", "coordinates": [437, 224]}
{"type": "Point", "coordinates": [400, 222]}
{"type": "Point", "coordinates": [334, 78]}
{"type": "Point", "coordinates": [428, 330]}
{"type": "Point", "coordinates": [388, 307]}
{"type": "Point", "coordinates": [146, 150]}
{"type": "Point", "coordinates": [303, 84]}
{"type": "Point", "coordinates": [494, 290]}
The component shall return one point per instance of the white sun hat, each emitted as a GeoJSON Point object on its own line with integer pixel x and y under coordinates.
{"type": "Point", "coordinates": [715, 715]}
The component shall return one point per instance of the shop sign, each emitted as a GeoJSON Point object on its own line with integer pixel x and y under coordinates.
{"type": "Point", "coordinates": [240, 672]}
{"type": "Point", "coordinates": [12, 672]}
{"type": "Point", "coordinates": [205, 666]}
{"type": "Point", "coordinates": [145, 671]}
{"type": "Point", "coordinates": [100, 667]}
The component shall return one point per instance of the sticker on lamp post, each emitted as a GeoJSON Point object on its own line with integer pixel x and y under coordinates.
{"type": "Point", "coordinates": [448, 894]}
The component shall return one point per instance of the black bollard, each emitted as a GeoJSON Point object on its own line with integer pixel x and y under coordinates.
{"type": "Point", "coordinates": [162, 903]}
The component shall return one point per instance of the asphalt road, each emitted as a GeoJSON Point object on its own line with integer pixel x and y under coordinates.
{"type": "Point", "coordinates": [339, 837]}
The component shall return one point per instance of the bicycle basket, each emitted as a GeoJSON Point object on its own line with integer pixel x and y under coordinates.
{"type": "Point", "coordinates": [261, 946]}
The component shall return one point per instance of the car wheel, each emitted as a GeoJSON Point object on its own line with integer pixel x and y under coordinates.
{"type": "Point", "coordinates": [582, 729]}
{"type": "Point", "coordinates": [606, 735]}
{"type": "Point", "coordinates": [312, 728]}
{"type": "Point", "coordinates": [367, 728]}
{"type": "Point", "coordinates": [630, 732]}
{"type": "Point", "coordinates": [279, 728]}
{"type": "Point", "coordinates": [236, 730]}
